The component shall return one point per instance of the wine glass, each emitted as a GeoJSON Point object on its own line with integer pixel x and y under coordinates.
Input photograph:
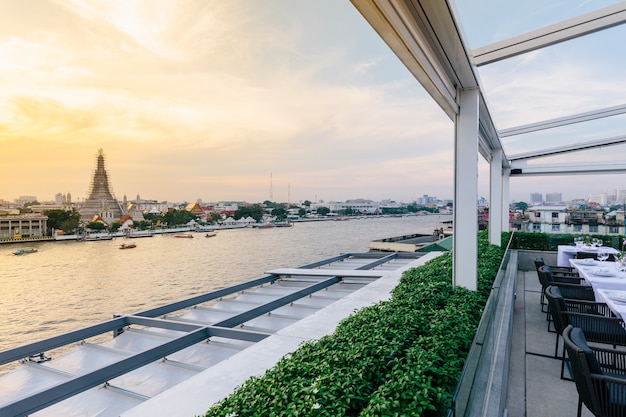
{"type": "Point", "coordinates": [603, 255]}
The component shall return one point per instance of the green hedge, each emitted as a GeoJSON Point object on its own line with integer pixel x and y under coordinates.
{"type": "Point", "coordinates": [401, 357]}
{"type": "Point", "coordinates": [551, 241]}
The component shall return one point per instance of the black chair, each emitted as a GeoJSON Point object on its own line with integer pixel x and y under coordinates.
{"type": "Point", "coordinates": [557, 270]}
{"type": "Point", "coordinates": [593, 255]}
{"type": "Point", "coordinates": [599, 374]}
{"type": "Point", "coordinates": [596, 320]}
{"type": "Point", "coordinates": [571, 287]}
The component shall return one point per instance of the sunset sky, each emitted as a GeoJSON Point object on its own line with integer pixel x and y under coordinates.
{"type": "Point", "coordinates": [208, 99]}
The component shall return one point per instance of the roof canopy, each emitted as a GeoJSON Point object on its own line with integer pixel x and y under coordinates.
{"type": "Point", "coordinates": [427, 37]}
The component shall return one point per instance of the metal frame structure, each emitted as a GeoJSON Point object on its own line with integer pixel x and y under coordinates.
{"type": "Point", "coordinates": [425, 36]}
{"type": "Point", "coordinates": [311, 279]}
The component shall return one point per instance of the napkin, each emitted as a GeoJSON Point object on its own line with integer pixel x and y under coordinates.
{"type": "Point", "coordinates": [602, 271]}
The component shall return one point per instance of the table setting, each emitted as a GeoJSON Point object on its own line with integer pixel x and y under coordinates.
{"type": "Point", "coordinates": [608, 279]}
{"type": "Point", "coordinates": [565, 253]}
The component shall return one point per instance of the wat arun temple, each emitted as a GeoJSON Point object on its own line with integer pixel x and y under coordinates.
{"type": "Point", "coordinates": [101, 201]}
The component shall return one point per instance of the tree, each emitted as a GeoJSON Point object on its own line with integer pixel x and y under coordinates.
{"type": "Point", "coordinates": [62, 220]}
{"type": "Point", "coordinates": [142, 225]}
{"type": "Point", "coordinates": [279, 213]}
{"type": "Point", "coordinates": [307, 203]}
{"type": "Point", "coordinates": [520, 205]}
{"type": "Point", "coordinates": [302, 212]}
{"type": "Point", "coordinates": [179, 217]}
{"type": "Point", "coordinates": [323, 211]}
{"type": "Point", "coordinates": [215, 217]}
{"type": "Point", "coordinates": [255, 211]}
{"type": "Point", "coordinates": [97, 226]}
{"type": "Point", "coordinates": [115, 226]}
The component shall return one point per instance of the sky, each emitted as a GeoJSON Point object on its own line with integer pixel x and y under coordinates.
{"type": "Point", "coordinates": [250, 100]}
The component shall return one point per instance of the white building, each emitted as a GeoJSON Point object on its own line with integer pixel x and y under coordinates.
{"type": "Point", "coordinates": [358, 206]}
{"type": "Point", "coordinates": [554, 198]}
{"type": "Point", "coordinates": [536, 198]}
{"type": "Point", "coordinates": [601, 199]}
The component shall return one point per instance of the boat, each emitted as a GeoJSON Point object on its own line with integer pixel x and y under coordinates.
{"type": "Point", "coordinates": [127, 246]}
{"type": "Point", "coordinates": [211, 234]}
{"type": "Point", "coordinates": [24, 251]}
{"type": "Point", "coordinates": [283, 224]}
{"type": "Point", "coordinates": [184, 236]}
{"type": "Point", "coordinates": [96, 237]}
{"type": "Point", "coordinates": [264, 225]}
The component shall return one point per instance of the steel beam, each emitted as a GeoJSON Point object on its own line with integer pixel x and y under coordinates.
{"type": "Point", "coordinates": [549, 35]}
{"type": "Point", "coordinates": [563, 121]}
{"type": "Point", "coordinates": [279, 302]}
{"type": "Point", "coordinates": [618, 140]}
{"type": "Point", "coordinates": [521, 169]}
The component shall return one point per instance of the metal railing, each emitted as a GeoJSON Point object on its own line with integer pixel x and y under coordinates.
{"type": "Point", "coordinates": [482, 387]}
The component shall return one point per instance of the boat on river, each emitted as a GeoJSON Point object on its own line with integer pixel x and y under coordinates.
{"type": "Point", "coordinates": [97, 237]}
{"type": "Point", "coordinates": [127, 246]}
{"type": "Point", "coordinates": [24, 251]}
{"type": "Point", "coordinates": [283, 224]}
{"type": "Point", "coordinates": [211, 234]}
{"type": "Point", "coordinates": [266, 225]}
{"type": "Point", "coordinates": [184, 236]}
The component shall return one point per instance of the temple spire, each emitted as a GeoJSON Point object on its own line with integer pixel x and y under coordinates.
{"type": "Point", "coordinates": [101, 200]}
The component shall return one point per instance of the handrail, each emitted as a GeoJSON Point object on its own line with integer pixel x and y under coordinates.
{"type": "Point", "coordinates": [482, 387]}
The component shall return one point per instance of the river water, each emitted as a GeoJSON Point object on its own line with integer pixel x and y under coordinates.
{"type": "Point", "coordinates": [68, 285]}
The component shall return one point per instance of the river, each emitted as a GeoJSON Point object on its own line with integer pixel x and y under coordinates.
{"type": "Point", "coordinates": [68, 285]}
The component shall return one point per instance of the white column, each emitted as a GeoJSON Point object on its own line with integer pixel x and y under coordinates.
{"type": "Point", "coordinates": [495, 197]}
{"type": "Point", "coordinates": [465, 246]}
{"type": "Point", "coordinates": [506, 199]}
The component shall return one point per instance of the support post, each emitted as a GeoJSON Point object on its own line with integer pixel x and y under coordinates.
{"type": "Point", "coordinates": [495, 198]}
{"type": "Point", "coordinates": [465, 245]}
{"type": "Point", "coordinates": [506, 199]}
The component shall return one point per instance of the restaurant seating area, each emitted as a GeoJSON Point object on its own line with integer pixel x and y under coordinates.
{"type": "Point", "coordinates": [540, 381]}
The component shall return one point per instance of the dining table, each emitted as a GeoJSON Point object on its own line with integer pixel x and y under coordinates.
{"type": "Point", "coordinates": [565, 253]}
{"type": "Point", "coordinates": [608, 281]}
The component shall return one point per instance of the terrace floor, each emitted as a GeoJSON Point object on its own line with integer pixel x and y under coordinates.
{"type": "Point", "coordinates": [535, 387]}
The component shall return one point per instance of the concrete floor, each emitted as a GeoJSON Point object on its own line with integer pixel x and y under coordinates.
{"type": "Point", "coordinates": [535, 386]}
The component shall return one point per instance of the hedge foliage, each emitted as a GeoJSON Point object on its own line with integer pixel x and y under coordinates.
{"type": "Point", "coordinates": [400, 357]}
{"type": "Point", "coordinates": [551, 241]}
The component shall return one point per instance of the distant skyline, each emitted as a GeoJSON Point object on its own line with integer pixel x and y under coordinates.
{"type": "Point", "coordinates": [206, 99]}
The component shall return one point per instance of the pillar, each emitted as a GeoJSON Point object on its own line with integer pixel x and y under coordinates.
{"type": "Point", "coordinates": [465, 245]}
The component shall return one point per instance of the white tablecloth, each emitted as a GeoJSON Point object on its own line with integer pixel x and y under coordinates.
{"type": "Point", "coordinates": [589, 269]}
{"type": "Point", "coordinates": [615, 299]}
{"type": "Point", "coordinates": [567, 252]}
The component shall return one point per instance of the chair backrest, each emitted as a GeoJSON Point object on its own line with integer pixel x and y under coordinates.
{"type": "Point", "coordinates": [545, 276]}
{"type": "Point", "coordinates": [584, 363]}
{"type": "Point", "coordinates": [593, 255]}
{"type": "Point", "coordinates": [585, 255]}
{"type": "Point", "coordinates": [557, 306]}
{"type": "Point", "coordinates": [539, 262]}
